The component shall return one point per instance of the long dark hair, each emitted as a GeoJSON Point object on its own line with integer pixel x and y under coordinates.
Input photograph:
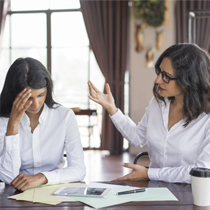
{"type": "Point", "coordinates": [24, 72]}
{"type": "Point", "coordinates": [192, 68]}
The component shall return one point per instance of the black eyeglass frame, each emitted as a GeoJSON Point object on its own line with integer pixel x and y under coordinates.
{"type": "Point", "coordinates": [164, 75]}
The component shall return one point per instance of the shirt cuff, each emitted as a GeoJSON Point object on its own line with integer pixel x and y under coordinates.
{"type": "Point", "coordinates": [153, 173]}
{"type": "Point", "coordinates": [12, 143]}
{"type": "Point", "coordinates": [52, 178]}
{"type": "Point", "coordinates": [117, 117]}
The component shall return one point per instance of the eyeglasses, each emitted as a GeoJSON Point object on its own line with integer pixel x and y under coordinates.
{"type": "Point", "coordinates": [165, 77]}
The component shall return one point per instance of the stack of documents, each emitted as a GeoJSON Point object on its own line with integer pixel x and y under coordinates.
{"type": "Point", "coordinates": [44, 194]}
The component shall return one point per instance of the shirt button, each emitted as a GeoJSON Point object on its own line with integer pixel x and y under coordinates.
{"type": "Point", "coordinates": [37, 165]}
{"type": "Point", "coordinates": [14, 142]}
{"type": "Point", "coordinates": [164, 137]}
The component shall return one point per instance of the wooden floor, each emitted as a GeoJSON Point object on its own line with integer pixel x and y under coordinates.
{"type": "Point", "coordinates": [101, 166]}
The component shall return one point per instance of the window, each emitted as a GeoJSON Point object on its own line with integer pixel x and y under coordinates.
{"type": "Point", "coordinates": [54, 33]}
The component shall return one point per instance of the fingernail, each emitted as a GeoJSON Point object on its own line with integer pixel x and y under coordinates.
{"type": "Point", "coordinates": [123, 164]}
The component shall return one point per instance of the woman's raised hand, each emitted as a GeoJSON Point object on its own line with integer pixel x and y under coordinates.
{"type": "Point", "coordinates": [105, 100]}
{"type": "Point", "coordinates": [19, 106]}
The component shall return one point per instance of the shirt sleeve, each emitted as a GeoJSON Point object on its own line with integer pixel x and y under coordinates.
{"type": "Point", "coordinates": [10, 161]}
{"type": "Point", "coordinates": [75, 170]}
{"type": "Point", "coordinates": [181, 174]}
{"type": "Point", "coordinates": [135, 134]}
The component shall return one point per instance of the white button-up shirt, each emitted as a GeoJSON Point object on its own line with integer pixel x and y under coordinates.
{"type": "Point", "coordinates": [172, 152]}
{"type": "Point", "coordinates": [42, 151]}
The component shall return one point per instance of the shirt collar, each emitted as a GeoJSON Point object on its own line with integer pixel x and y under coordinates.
{"type": "Point", "coordinates": [165, 113]}
{"type": "Point", "coordinates": [25, 120]}
{"type": "Point", "coordinates": [42, 118]}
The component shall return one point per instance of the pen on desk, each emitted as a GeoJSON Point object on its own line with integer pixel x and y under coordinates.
{"type": "Point", "coordinates": [131, 191]}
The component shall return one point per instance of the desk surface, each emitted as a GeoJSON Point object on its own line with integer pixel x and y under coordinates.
{"type": "Point", "coordinates": [181, 191]}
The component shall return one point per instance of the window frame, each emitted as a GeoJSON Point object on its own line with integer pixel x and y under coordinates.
{"type": "Point", "coordinates": [48, 14]}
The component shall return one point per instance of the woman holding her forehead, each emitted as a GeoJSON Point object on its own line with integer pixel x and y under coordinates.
{"type": "Point", "coordinates": [35, 130]}
{"type": "Point", "coordinates": [176, 125]}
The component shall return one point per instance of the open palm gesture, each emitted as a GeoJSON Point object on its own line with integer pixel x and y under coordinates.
{"type": "Point", "coordinates": [138, 173]}
{"type": "Point", "coordinates": [105, 100]}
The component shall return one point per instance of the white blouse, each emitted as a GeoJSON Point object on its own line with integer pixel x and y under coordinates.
{"type": "Point", "coordinates": [172, 152]}
{"type": "Point", "coordinates": [42, 151]}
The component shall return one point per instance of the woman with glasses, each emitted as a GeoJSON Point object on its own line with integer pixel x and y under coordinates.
{"type": "Point", "coordinates": [35, 131]}
{"type": "Point", "coordinates": [176, 125]}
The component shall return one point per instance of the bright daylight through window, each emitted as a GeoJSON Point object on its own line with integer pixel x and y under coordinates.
{"type": "Point", "coordinates": [53, 32]}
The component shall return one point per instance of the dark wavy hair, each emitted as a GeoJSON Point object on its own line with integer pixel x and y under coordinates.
{"type": "Point", "coordinates": [24, 72]}
{"type": "Point", "coordinates": [191, 65]}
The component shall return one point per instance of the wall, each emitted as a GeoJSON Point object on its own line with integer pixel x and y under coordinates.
{"type": "Point", "coordinates": [141, 77]}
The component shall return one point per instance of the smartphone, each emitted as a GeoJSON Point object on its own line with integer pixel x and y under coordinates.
{"type": "Point", "coordinates": [82, 191]}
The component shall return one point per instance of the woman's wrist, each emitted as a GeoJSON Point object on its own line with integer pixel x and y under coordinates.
{"type": "Point", "coordinates": [43, 178]}
{"type": "Point", "coordinates": [12, 129]}
{"type": "Point", "coordinates": [112, 110]}
{"type": "Point", "coordinates": [146, 174]}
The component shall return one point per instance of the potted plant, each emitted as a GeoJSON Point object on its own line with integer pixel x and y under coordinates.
{"type": "Point", "coordinates": [150, 12]}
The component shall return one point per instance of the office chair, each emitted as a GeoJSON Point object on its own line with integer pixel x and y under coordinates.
{"type": "Point", "coordinates": [138, 156]}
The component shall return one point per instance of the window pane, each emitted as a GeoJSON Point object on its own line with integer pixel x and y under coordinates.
{"type": "Point", "coordinates": [4, 66]}
{"type": "Point", "coordinates": [72, 32]}
{"type": "Point", "coordinates": [70, 76]}
{"type": "Point", "coordinates": [5, 40]}
{"type": "Point", "coordinates": [64, 4]}
{"type": "Point", "coordinates": [28, 30]}
{"type": "Point", "coordinates": [96, 77]}
{"type": "Point", "coordinates": [21, 5]}
{"type": "Point", "coordinates": [39, 54]}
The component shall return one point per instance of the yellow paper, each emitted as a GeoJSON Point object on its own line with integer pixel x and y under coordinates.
{"type": "Point", "coordinates": [56, 202]}
{"type": "Point", "coordinates": [51, 203]}
{"type": "Point", "coordinates": [27, 195]}
{"type": "Point", "coordinates": [44, 194]}
{"type": "Point", "coordinates": [16, 197]}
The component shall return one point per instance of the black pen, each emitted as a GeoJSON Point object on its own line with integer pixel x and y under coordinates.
{"type": "Point", "coordinates": [131, 191]}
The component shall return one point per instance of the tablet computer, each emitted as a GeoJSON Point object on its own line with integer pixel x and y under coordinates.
{"type": "Point", "coordinates": [82, 191]}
